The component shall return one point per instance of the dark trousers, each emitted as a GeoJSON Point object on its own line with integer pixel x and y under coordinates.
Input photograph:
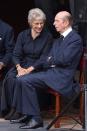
{"type": "Point", "coordinates": [8, 89]}
{"type": "Point", "coordinates": [2, 76]}
{"type": "Point", "coordinates": [25, 96]}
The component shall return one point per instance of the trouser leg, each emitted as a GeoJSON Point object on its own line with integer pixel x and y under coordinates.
{"type": "Point", "coordinates": [8, 89]}
{"type": "Point", "coordinates": [28, 102]}
{"type": "Point", "coordinates": [17, 97]}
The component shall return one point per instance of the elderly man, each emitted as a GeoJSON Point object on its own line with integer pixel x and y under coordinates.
{"type": "Point", "coordinates": [58, 70]}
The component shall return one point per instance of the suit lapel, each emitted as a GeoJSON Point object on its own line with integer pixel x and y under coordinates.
{"type": "Point", "coordinates": [61, 45]}
{"type": "Point", "coordinates": [67, 38]}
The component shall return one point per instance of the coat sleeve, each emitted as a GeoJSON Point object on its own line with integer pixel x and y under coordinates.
{"type": "Point", "coordinates": [9, 45]}
{"type": "Point", "coordinates": [18, 50]}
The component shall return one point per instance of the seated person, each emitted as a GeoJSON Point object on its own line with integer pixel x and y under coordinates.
{"type": "Point", "coordinates": [32, 44]}
{"type": "Point", "coordinates": [57, 72]}
{"type": "Point", "coordinates": [6, 49]}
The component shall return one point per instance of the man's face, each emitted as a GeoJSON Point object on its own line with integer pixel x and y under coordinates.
{"type": "Point", "coordinates": [59, 24]}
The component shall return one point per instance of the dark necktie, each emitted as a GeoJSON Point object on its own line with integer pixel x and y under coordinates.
{"type": "Point", "coordinates": [60, 39]}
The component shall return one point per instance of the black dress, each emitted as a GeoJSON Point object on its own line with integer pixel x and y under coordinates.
{"type": "Point", "coordinates": [27, 52]}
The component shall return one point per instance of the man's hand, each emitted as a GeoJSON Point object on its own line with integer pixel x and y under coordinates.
{"type": "Point", "coordinates": [30, 69]}
{"type": "Point", "coordinates": [1, 65]}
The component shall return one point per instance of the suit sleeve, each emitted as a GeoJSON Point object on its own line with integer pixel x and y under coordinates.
{"type": "Point", "coordinates": [66, 56]}
{"type": "Point", "coordinates": [9, 45]}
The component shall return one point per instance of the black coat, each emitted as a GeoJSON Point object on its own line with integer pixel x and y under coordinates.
{"type": "Point", "coordinates": [6, 49]}
{"type": "Point", "coordinates": [6, 42]}
{"type": "Point", "coordinates": [28, 51]}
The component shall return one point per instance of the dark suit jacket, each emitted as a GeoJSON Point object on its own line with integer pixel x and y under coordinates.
{"type": "Point", "coordinates": [65, 56]}
{"type": "Point", "coordinates": [6, 48]}
{"type": "Point", "coordinates": [6, 42]}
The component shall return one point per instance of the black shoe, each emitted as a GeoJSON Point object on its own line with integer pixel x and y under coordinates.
{"type": "Point", "coordinates": [32, 124]}
{"type": "Point", "coordinates": [16, 116]}
{"type": "Point", "coordinates": [24, 118]}
{"type": "Point", "coordinates": [10, 114]}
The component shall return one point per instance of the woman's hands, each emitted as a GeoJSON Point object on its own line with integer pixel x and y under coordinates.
{"type": "Point", "coordinates": [23, 71]}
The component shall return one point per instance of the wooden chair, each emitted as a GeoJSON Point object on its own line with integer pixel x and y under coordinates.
{"type": "Point", "coordinates": [58, 100]}
{"type": "Point", "coordinates": [57, 104]}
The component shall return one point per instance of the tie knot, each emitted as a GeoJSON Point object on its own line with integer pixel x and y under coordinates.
{"type": "Point", "coordinates": [61, 36]}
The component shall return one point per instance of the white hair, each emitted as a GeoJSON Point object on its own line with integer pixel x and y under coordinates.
{"type": "Point", "coordinates": [36, 13]}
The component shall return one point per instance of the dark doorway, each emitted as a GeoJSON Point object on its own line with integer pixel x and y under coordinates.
{"type": "Point", "coordinates": [15, 12]}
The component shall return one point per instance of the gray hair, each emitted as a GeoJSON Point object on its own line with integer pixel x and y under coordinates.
{"type": "Point", "coordinates": [35, 13]}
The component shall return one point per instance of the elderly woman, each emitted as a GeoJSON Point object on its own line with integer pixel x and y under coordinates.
{"type": "Point", "coordinates": [32, 44]}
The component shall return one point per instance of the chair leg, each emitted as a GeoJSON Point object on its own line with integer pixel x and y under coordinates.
{"type": "Point", "coordinates": [57, 124]}
{"type": "Point", "coordinates": [81, 107]}
{"type": "Point", "coordinates": [62, 112]}
{"type": "Point", "coordinates": [82, 97]}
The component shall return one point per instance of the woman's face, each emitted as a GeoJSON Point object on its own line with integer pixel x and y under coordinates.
{"type": "Point", "coordinates": [37, 25]}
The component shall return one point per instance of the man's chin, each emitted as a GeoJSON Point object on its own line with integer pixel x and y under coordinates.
{"type": "Point", "coordinates": [57, 29]}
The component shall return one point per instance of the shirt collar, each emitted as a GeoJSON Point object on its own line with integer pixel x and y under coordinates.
{"type": "Point", "coordinates": [29, 33]}
{"type": "Point", "coordinates": [67, 32]}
